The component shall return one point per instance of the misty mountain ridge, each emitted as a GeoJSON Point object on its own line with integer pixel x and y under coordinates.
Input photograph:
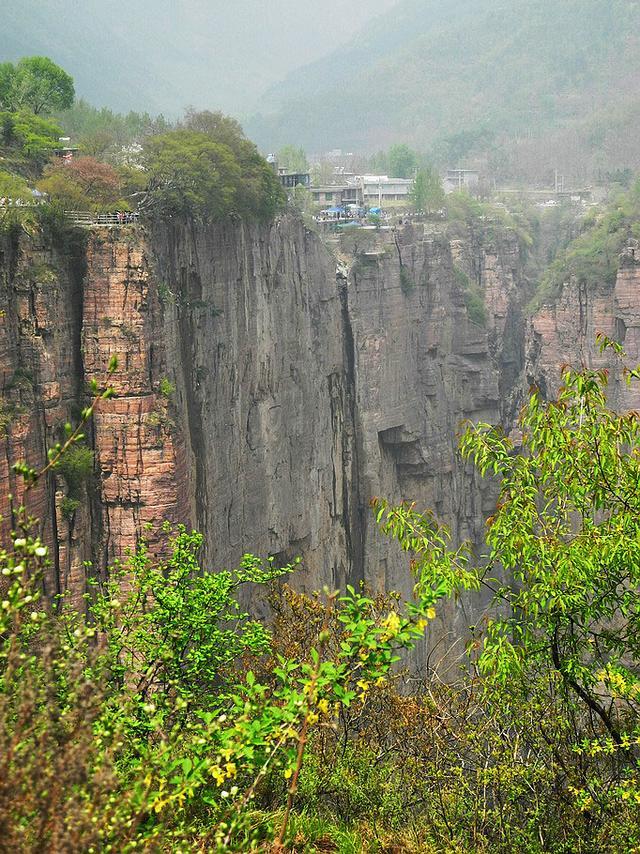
{"type": "Point", "coordinates": [432, 68]}
{"type": "Point", "coordinates": [531, 86]}
{"type": "Point", "coordinates": [159, 56]}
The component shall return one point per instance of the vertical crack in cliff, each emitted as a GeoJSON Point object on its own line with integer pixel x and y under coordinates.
{"type": "Point", "coordinates": [352, 508]}
{"type": "Point", "coordinates": [73, 249]}
{"type": "Point", "coordinates": [583, 299]}
{"type": "Point", "coordinates": [187, 342]}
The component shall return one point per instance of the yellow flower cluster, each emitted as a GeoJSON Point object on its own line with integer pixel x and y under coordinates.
{"type": "Point", "coordinates": [221, 773]}
{"type": "Point", "coordinates": [617, 684]}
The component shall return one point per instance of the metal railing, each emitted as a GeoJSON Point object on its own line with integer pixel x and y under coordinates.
{"type": "Point", "coordinates": [91, 218]}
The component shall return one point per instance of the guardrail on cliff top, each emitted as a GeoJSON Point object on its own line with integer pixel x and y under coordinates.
{"type": "Point", "coordinates": [89, 218]}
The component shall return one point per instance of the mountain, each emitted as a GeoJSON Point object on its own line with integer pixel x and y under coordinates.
{"type": "Point", "coordinates": [160, 56]}
{"type": "Point", "coordinates": [431, 68]}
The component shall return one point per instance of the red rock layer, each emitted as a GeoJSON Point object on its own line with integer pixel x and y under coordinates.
{"type": "Point", "coordinates": [139, 452]}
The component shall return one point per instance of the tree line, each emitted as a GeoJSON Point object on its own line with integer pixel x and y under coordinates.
{"type": "Point", "coordinates": [201, 167]}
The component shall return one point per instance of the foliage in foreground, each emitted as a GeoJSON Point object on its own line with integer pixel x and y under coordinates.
{"type": "Point", "coordinates": [171, 720]}
{"type": "Point", "coordinates": [142, 726]}
{"type": "Point", "coordinates": [536, 746]}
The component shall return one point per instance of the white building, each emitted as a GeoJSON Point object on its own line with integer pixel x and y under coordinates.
{"type": "Point", "coordinates": [378, 190]}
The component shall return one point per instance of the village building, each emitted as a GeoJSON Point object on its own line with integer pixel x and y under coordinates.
{"type": "Point", "coordinates": [337, 195]}
{"type": "Point", "coordinates": [460, 179]}
{"type": "Point", "coordinates": [65, 151]}
{"type": "Point", "coordinates": [364, 191]}
{"type": "Point", "coordinates": [289, 180]}
{"type": "Point", "coordinates": [380, 190]}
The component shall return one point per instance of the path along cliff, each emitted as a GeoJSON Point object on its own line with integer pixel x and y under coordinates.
{"type": "Point", "coordinates": [267, 389]}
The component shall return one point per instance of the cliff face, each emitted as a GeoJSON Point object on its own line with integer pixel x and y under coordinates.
{"type": "Point", "coordinates": [232, 408]}
{"type": "Point", "coordinates": [265, 399]}
{"type": "Point", "coordinates": [422, 368]}
{"type": "Point", "coordinates": [42, 379]}
{"type": "Point", "coordinates": [252, 325]}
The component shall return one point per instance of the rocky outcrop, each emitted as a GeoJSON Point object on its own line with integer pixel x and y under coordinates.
{"type": "Point", "coordinates": [422, 368]}
{"type": "Point", "coordinates": [252, 327]}
{"type": "Point", "coordinates": [140, 453]}
{"type": "Point", "coordinates": [564, 331]}
{"type": "Point", "coordinates": [265, 399]}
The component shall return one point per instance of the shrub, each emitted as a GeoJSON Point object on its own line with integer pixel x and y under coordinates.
{"type": "Point", "coordinates": [76, 467]}
{"type": "Point", "coordinates": [534, 747]}
{"type": "Point", "coordinates": [473, 297]}
{"type": "Point", "coordinates": [166, 387]}
{"type": "Point", "coordinates": [170, 719]}
{"type": "Point", "coordinates": [172, 747]}
{"type": "Point", "coordinates": [13, 187]}
{"type": "Point", "coordinates": [68, 506]}
{"type": "Point", "coordinates": [83, 184]}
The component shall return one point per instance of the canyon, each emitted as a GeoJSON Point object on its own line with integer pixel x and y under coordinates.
{"type": "Point", "coordinates": [270, 383]}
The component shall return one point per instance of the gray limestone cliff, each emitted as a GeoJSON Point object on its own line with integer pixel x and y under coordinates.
{"type": "Point", "coordinates": [269, 386]}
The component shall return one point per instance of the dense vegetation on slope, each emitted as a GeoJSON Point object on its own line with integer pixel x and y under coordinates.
{"type": "Point", "coordinates": [593, 256]}
{"type": "Point", "coordinates": [169, 720]}
{"type": "Point", "coordinates": [460, 76]}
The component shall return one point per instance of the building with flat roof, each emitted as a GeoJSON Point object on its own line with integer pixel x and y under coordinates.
{"type": "Point", "coordinates": [378, 190]}
{"type": "Point", "coordinates": [338, 195]}
{"type": "Point", "coordinates": [364, 191]}
{"type": "Point", "coordinates": [289, 180]}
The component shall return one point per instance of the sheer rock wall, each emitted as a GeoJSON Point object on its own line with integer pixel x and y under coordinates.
{"type": "Point", "coordinates": [265, 399]}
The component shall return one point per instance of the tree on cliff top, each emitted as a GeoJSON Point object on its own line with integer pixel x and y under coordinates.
{"type": "Point", "coordinates": [33, 86]}
{"type": "Point", "coordinates": [26, 140]}
{"type": "Point", "coordinates": [37, 84]}
{"type": "Point", "coordinates": [399, 161]}
{"type": "Point", "coordinates": [426, 192]}
{"type": "Point", "coordinates": [293, 159]}
{"type": "Point", "coordinates": [208, 169]}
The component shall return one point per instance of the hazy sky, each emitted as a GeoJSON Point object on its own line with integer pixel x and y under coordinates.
{"type": "Point", "coordinates": [164, 54]}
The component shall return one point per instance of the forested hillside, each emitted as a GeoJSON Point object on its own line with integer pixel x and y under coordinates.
{"type": "Point", "coordinates": [459, 76]}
